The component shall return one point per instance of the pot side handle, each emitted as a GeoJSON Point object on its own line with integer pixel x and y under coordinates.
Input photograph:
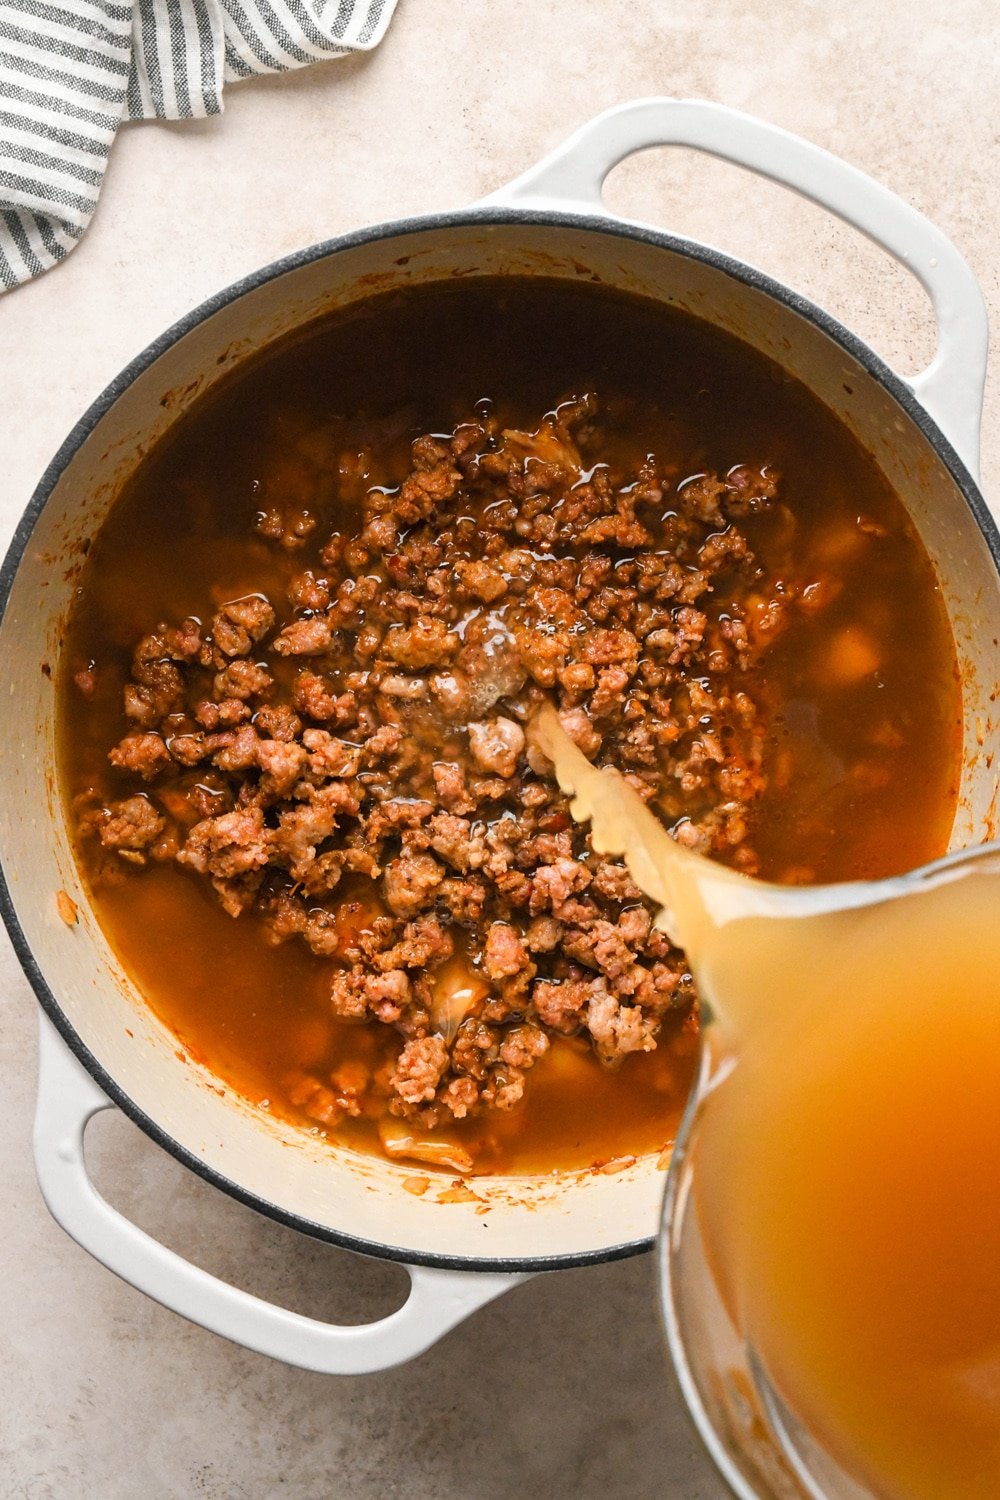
{"type": "Point", "coordinates": [570, 179]}
{"type": "Point", "coordinates": [68, 1098]}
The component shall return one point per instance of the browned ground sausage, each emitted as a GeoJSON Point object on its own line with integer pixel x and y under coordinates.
{"type": "Point", "coordinates": [500, 569]}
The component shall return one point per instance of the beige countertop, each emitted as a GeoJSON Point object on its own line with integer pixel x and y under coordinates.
{"type": "Point", "coordinates": [559, 1389]}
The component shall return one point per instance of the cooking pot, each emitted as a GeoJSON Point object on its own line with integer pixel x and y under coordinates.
{"type": "Point", "coordinates": [100, 1046]}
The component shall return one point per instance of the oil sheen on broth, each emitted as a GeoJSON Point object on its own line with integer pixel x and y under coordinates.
{"type": "Point", "coordinates": [861, 697]}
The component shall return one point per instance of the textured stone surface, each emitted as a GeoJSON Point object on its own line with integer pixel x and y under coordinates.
{"type": "Point", "coordinates": [559, 1389]}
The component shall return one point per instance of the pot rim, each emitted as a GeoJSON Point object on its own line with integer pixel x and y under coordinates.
{"type": "Point", "coordinates": [462, 218]}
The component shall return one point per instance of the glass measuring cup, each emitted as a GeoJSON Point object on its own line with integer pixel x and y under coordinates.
{"type": "Point", "coordinates": [857, 1239]}
{"type": "Point", "coordinates": [758, 1444]}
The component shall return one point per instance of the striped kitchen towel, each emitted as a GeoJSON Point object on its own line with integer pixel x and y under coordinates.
{"type": "Point", "coordinates": [72, 70]}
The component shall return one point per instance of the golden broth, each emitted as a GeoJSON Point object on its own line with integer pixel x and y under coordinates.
{"type": "Point", "coordinates": [863, 732]}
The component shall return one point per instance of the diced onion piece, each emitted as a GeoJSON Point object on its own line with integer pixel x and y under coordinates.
{"type": "Point", "coordinates": [457, 990]}
{"type": "Point", "coordinates": [400, 1140]}
{"type": "Point", "coordinates": [850, 657]}
{"type": "Point", "coordinates": [569, 1065]}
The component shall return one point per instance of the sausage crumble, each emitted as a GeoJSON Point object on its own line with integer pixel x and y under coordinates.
{"type": "Point", "coordinates": [349, 762]}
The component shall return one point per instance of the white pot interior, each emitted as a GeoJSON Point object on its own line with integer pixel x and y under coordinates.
{"type": "Point", "coordinates": [583, 1215]}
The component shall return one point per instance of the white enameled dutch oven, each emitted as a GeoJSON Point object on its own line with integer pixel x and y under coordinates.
{"type": "Point", "coordinates": [100, 1046]}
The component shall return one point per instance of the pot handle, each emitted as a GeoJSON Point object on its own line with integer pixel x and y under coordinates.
{"type": "Point", "coordinates": [68, 1098]}
{"type": "Point", "coordinates": [570, 179]}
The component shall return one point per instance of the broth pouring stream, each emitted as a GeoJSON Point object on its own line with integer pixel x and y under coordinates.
{"type": "Point", "coordinates": [846, 1148]}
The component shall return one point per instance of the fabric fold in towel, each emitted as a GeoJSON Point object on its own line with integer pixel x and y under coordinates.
{"type": "Point", "coordinates": [72, 70]}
